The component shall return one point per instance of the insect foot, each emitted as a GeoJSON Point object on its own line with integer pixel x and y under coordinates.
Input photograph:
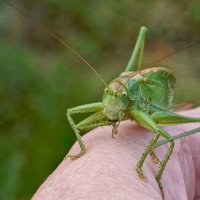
{"type": "Point", "coordinates": [161, 187]}
{"type": "Point", "coordinates": [81, 153]}
{"type": "Point", "coordinates": [114, 129]}
{"type": "Point", "coordinates": [154, 158]}
{"type": "Point", "coordinates": [141, 175]}
{"type": "Point", "coordinates": [74, 157]}
{"type": "Point", "coordinates": [114, 132]}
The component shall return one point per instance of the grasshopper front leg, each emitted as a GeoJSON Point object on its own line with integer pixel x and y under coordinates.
{"type": "Point", "coordinates": [93, 121]}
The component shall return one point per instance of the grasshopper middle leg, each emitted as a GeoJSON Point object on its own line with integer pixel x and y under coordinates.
{"type": "Point", "coordinates": [146, 121]}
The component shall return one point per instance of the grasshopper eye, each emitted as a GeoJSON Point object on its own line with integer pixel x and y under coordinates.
{"type": "Point", "coordinates": [124, 94]}
{"type": "Point", "coordinates": [106, 90]}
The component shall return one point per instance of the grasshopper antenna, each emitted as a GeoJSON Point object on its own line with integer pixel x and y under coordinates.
{"type": "Point", "coordinates": [59, 39]}
{"type": "Point", "coordinates": [170, 54]}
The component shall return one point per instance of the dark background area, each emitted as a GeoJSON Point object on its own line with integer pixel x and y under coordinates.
{"type": "Point", "coordinates": [40, 78]}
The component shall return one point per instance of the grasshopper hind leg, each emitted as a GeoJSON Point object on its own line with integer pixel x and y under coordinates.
{"type": "Point", "coordinates": [138, 50]}
{"type": "Point", "coordinates": [148, 150]}
{"type": "Point", "coordinates": [166, 158]}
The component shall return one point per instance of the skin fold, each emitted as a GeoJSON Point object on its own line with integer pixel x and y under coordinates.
{"type": "Point", "coordinates": [108, 169]}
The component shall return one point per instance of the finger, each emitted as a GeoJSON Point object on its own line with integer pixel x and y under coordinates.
{"type": "Point", "coordinates": [194, 144]}
{"type": "Point", "coordinates": [107, 170]}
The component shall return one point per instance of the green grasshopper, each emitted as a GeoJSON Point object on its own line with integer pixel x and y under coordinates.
{"type": "Point", "coordinates": [144, 96]}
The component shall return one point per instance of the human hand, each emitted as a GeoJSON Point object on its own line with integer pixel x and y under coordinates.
{"type": "Point", "coordinates": [108, 169]}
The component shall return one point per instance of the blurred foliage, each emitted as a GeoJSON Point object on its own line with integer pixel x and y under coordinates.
{"type": "Point", "coordinates": [39, 78]}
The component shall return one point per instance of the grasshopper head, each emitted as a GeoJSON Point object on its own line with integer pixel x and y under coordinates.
{"type": "Point", "coordinates": [115, 101]}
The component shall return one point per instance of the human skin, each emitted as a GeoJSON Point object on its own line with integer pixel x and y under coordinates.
{"type": "Point", "coordinates": [107, 171]}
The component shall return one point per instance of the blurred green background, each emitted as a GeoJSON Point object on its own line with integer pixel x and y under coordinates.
{"type": "Point", "coordinates": [39, 78]}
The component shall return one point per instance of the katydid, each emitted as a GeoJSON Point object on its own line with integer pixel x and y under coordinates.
{"type": "Point", "coordinates": [141, 95]}
{"type": "Point", "coordinates": [144, 96]}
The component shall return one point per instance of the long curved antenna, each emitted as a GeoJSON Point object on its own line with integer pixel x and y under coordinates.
{"type": "Point", "coordinates": [57, 38]}
{"type": "Point", "coordinates": [170, 54]}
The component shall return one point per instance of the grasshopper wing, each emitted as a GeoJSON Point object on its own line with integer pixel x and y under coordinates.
{"type": "Point", "coordinates": [156, 88]}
